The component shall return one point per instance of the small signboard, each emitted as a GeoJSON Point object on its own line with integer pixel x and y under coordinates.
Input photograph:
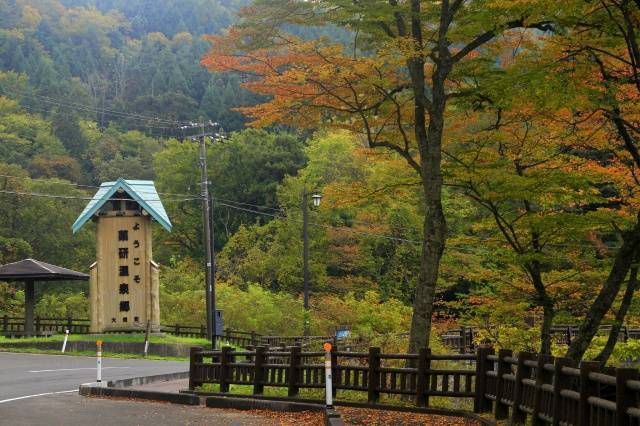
{"type": "Point", "coordinates": [343, 332]}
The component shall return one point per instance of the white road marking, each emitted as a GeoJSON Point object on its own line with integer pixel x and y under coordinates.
{"type": "Point", "coordinates": [36, 395]}
{"type": "Point", "coordinates": [70, 369]}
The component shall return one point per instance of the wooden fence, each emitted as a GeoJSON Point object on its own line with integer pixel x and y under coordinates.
{"type": "Point", "coordinates": [12, 325]}
{"type": "Point", "coordinates": [547, 390]}
{"type": "Point", "coordinates": [372, 372]}
{"type": "Point", "coordinates": [527, 388]}
{"type": "Point", "coordinates": [462, 339]}
{"type": "Point", "coordinates": [15, 326]}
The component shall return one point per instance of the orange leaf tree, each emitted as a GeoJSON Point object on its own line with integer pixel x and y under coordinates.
{"type": "Point", "coordinates": [391, 83]}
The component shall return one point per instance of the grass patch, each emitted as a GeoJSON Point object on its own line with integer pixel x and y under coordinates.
{"type": "Point", "coordinates": [132, 338]}
{"type": "Point", "coordinates": [6, 345]}
{"type": "Point", "coordinates": [343, 395]}
{"type": "Point", "coordinates": [90, 354]}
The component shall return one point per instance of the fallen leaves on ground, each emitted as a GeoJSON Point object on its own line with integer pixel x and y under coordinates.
{"type": "Point", "coordinates": [302, 418]}
{"type": "Point", "coordinates": [360, 416]}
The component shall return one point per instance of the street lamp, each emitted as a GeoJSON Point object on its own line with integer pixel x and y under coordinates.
{"type": "Point", "coordinates": [305, 253]}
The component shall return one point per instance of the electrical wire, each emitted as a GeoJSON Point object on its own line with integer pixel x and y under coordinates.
{"type": "Point", "coordinates": [322, 225]}
{"type": "Point", "coordinates": [86, 187]}
{"type": "Point", "coordinates": [121, 114]}
{"type": "Point", "coordinates": [237, 206]}
{"type": "Point", "coordinates": [73, 197]}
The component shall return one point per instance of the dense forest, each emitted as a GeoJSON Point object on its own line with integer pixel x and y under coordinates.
{"type": "Point", "coordinates": [478, 166]}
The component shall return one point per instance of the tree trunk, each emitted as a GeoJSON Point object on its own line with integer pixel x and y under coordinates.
{"type": "Point", "coordinates": [429, 146]}
{"type": "Point", "coordinates": [620, 315]}
{"type": "Point", "coordinates": [548, 313]}
{"type": "Point", "coordinates": [543, 299]}
{"type": "Point", "coordinates": [608, 293]}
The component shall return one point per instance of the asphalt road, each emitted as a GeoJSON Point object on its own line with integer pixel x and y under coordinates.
{"type": "Point", "coordinates": [71, 409]}
{"type": "Point", "coordinates": [42, 390]}
{"type": "Point", "coordinates": [22, 376]}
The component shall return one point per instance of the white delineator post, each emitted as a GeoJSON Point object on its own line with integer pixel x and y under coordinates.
{"type": "Point", "coordinates": [99, 361]}
{"type": "Point", "coordinates": [328, 383]}
{"type": "Point", "coordinates": [64, 343]}
{"type": "Point", "coordinates": [146, 339]}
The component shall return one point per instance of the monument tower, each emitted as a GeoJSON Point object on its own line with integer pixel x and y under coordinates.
{"type": "Point", "coordinates": [124, 284]}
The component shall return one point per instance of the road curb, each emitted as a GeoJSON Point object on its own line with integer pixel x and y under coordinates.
{"type": "Point", "coordinates": [239, 403]}
{"type": "Point", "coordinates": [175, 398]}
{"type": "Point", "coordinates": [145, 380]}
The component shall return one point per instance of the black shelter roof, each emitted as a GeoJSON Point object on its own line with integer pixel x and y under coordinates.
{"type": "Point", "coordinates": [31, 269]}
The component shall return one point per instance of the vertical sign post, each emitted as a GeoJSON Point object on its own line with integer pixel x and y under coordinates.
{"type": "Point", "coordinates": [327, 375]}
{"type": "Point", "coordinates": [64, 343]}
{"type": "Point", "coordinates": [99, 361]}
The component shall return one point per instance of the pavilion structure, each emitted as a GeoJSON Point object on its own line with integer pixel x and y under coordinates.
{"type": "Point", "coordinates": [31, 271]}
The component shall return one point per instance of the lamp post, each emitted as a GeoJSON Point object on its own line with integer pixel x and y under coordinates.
{"type": "Point", "coordinates": [305, 252]}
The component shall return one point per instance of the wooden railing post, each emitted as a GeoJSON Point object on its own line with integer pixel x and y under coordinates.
{"type": "Point", "coordinates": [463, 340]}
{"type": "Point", "coordinates": [518, 416]}
{"type": "Point", "coordinates": [195, 375]}
{"type": "Point", "coordinates": [37, 330]}
{"type": "Point", "coordinates": [374, 375]}
{"type": "Point", "coordinates": [587, 389]}
{"type": "Point", "coordinates": [625, 397]}
{"type": "Point", "coordinates": [560, 382]}
{"type": "Point", "coordinates": [500, 409]}
{"type": "Point", "coordinates": [335, 373]}
{"type": "Point", "coordinates": [203, 330]}
{"type": "Point", "coordinates": [543, 376]}
{"type": "Point", "coordinates": [294, 371]}
{"type": "Point", "coordinates": [258, 370]}
{"type": "Point", "coordinates": [176, 329]}
{"type": "Point", "coordinates": [422, 382]}
{"type": "Point", "coordinates": [5, 322]}
{"type": "Point", "coordinates": [481, 403]}
{"type": "Point", "coordinates": [225, 370]}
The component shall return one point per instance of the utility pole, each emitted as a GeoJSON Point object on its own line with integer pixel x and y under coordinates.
{"type": "Point", "coordinates": [208, 239]}
{"type": "Point", "coordinates": [305, 256]}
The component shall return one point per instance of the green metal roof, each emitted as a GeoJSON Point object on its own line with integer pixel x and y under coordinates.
{"type": "Point", "coordinates": [143, 191]}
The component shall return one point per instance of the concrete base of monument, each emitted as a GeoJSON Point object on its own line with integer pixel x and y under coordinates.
{"type": "Point", "coordinates": [179, 350]}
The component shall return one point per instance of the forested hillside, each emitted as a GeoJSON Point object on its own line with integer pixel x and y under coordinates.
{"type": "Point", "coordinates": [135, 57]}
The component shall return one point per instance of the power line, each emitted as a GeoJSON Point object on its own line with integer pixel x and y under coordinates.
{"type": "Point", "coordinates": [322, 225]}
{"type": "Point", "coordinates": [75, 105]}
{"type": "Point", "coordinates": [87, 187]}
{"type": "Point", "coordinates": [73, 197]}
